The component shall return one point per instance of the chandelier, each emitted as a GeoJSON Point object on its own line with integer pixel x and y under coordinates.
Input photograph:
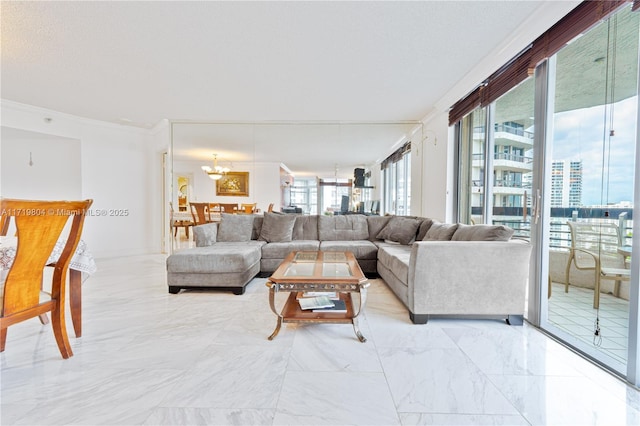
{"type": "Point", "coordinates": [216, 172]}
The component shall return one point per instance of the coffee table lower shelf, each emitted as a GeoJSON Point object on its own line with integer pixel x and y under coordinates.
{"type": "Point", "coordinates": [292, 313]}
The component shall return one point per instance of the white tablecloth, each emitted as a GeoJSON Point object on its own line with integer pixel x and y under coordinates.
{"type": "Point", "coordinates": [82, 260]}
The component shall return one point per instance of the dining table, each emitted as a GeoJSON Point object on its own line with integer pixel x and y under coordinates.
{"type": "Point", "coordinates": [81, 263]}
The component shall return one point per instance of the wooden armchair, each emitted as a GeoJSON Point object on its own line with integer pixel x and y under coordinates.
{"type": "Point", "coordinates": [39, 225]}
{"type": "Point", "coordinates": [594, 246]}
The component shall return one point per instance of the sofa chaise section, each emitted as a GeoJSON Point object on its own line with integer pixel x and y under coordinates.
{"type": "Point", "coordinates": [224, 266]}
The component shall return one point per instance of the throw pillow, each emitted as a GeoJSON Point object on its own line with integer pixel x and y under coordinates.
{"type": "Point", "coordinates": [205, 235]}
{"type": "Point", "coordinates": [400, 229]}
{"type": "Point", "coordinates": [424, 228]}
{"type": "Point", "coordinates": [482, 233]}
{"type": "Point", "coordinates": [235, 227]}
{"type": "Point", "coordinates": [277, 228]}
{"type": "Point", "coordinates": [440, 231]}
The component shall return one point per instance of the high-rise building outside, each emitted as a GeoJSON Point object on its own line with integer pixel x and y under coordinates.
{"type": "Point", "coordinates": [566, 183]}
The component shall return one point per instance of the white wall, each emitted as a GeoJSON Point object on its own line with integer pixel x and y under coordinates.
{"type": "Point", "coordinates": [120, 170]}
{"type": "Point", "coordinates": [35, 166]}
{"type": "Point", "coordinates": [432, 170]}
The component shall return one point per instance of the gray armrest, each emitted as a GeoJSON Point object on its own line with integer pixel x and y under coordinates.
{"type": "Point", "coordinates": [468, 277]}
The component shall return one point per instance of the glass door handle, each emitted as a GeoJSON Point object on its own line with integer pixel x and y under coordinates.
{"type": "Point", "coordinates": [536, 212]}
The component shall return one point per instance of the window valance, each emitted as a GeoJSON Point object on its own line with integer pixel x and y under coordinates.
{"type": "Point", "coordinates": [579, 20]}
{"type": "Point", "coordinates": [396, 156]}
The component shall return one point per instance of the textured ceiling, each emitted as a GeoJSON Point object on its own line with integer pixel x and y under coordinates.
{"type": "Point", "coordinates": [136, 63]}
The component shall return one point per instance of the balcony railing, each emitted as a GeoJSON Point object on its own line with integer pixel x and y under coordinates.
{"type": "Point", "coordinates": [513, 157]}
{"type": "Point", "coordinates": [504, 156]}
{"type": "Point", "coordinates": [519, 131]}
{"type": "Point", "coordinates": [513, 130]}
{"type": "Point", "coordinates": [505, 183]}
{"type": "Point", "coordinates": [559, 234]}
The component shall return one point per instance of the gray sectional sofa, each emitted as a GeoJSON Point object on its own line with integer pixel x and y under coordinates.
{"type": "Point", "coordinates": [433, 268]}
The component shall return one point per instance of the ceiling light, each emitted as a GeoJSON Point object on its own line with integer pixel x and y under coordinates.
{"type": "Point", "coordinates": [216, 172]}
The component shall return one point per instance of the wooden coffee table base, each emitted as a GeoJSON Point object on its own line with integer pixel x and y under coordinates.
{"type": "Point", "coordinates": [291, 312]}
{"type": "Point", "coordinates": [323, 272]}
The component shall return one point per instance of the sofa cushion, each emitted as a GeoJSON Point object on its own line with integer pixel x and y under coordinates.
{"type": "Point", "coordinates": [376, 223]}
{"type": "Point", "coordinates": [305, 228]}
{"type": "Point", "coordinates": [235, 227]}
{"type": "Point", "coordinates": [396, 258]}
{"type": "Point", "coordinates": [424, 228]}
{"type": "Point", "coordinates": [281, 250]}
{"type": "Point", "coordinates": [205, 235]}
{"type": "Point", "coordinates": [440, 231]}
{"type": "Point", "coordinates": [277, 228]}
{"type": "Point", "coordinates": [482, 233]}
{"type": "Point", "coordinates": [257, 226]}
{"type": "Point", "coordinates": [361, 249]}
{"type": "Point", "coordinates": [343, 228]}
{"type": "Point", "coordinates": [218, 258]}
{"type": "Point", "coordinates": [400, 229]}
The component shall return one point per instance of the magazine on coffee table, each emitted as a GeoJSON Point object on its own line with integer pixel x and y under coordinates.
{"type": "Point", "coordinates": [315, 302]}
{"type": "Point", "coordinates": [339, 307]}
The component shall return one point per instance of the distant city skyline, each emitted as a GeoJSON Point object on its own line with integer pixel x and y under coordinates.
{"type": "Point", "coordinates": [579, 135]}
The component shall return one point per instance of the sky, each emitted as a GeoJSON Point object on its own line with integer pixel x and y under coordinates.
{"type": "Point", "coordinates": [578, 135]}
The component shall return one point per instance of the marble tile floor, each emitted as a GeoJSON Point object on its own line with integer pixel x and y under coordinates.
{"type": "Point", "coordinates": [201, 357]}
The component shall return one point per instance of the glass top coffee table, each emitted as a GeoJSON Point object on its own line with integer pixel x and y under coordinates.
{"type": "Point", "coordinates": [318, 272]}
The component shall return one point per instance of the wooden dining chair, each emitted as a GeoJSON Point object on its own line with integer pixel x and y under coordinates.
{"type": "Point", "coordinates": [270, 208]}
{"type": "Point", "coordinates": [214, 212]}
{"type": "Point", "coordinates": [39, 225]}
{"type": "Point", "coordinates": [5, 220]}
{"type": "Point", "coordinates": [200, 213]}
{"type": "Point", "coordinates": [248, 207]}
{"type": "Point", "coordinates": [229, 208]}
{"type": "Point", "coordinates": [175, 224]}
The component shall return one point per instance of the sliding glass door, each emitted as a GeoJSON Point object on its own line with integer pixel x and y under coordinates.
{"type": "Point", "coordinates": [555, 159]}
{"type": "Point", "coordinates": [590, 188]}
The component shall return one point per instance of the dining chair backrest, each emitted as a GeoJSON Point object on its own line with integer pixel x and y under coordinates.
{"type": "Point", "coordinates": [200, 213]}
{"type": "Point", "coordinates": [248, 207]}
{"type": "Point", "coordinates": [5, 220]}
{"type": "Point", "coordinates": [229, 208]}
{"type": "Point", "coordinates": [270, 208]}
{"type": "Point", "coordinates": [39, 226]}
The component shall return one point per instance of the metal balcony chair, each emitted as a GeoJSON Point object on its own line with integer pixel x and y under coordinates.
{"type": "Point", "coordinates": [39, 225]}
{"type": "Point", "coordinates": [594, 246]}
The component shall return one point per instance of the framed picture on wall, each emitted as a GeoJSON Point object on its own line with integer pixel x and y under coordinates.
{"type": "Point", "coordinates": [233, 184]}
